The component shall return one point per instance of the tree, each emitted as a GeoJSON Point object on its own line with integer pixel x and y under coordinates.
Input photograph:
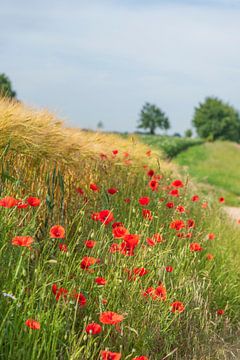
{"type": "Point", "coordinates": [100, 125]}
{"type": "Point", "coordinates": [188, 133]}
{"type": "Point", "coordinates": [152, 117]}
{"type": "Point", "coordinates": [215, 119]}
{"type": "Point", "coordinates": [6, 87]}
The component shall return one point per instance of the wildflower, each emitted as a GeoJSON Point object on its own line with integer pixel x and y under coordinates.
{"type": "Point", "coordinates": [88, 261]}
{"type": "Point", "coordinates": [170, 205]}
{"type": "Point", "coordinates": [59, 292]}
{"type": "Point", "coordinates": [221, 199]}
{"type": "Point", "coordinates": [177, 225]}
{"type": "Point", "coordinates": [110, 317]}
{"type": "Point", "coordinates": [174, 192]}
{"type": "Point", "coordinates": [117, 224]}
{"type": "Point", "coordinates": [33, 201]}
{"type": "Point", "coordinates": [177, 183]}
{"type": "Point", "coordinates": [94, 187]}
{"type": "Point", "coordinates": [100, 281]}
{"type": "Point", "coordinates": [195, 247]}
{"type": "Point", "coordinates": [169, 268]}
{"type": "Point", "coordinates": [112, 191]}
{"type": "Point", "coordinates": [22, 205]}
{"type": "Point", "coordinates": [210, 256]}
{"type": "Point", "coordinates": [115, 152]}
{"type": "Point", "coordinates": [140, 271]}
{"type": "Point", "coordinates": [9, 296]}
{"type": "Point", "coordinates": [106, 216]}
{"type": "Point", "coordinates": [150, 173]}
{"type": "Point", "coordinates": [90, 243]}
{"type": "Point", "coordinates": [211, 236]}
{"type": "Point", "coordinates": [141, 358]}
{"type": "Point", "coordinates": [8, 202]}
{"type": "Point", "coordinates": [95, 216]}
{"type": "Point", "coordinates": [153, 185]}
{"type": "Point", "coordinates": [220, 312]}
{"type": "Point", "coordinates": [57, 232]}
{"type": "Point", "coordinates": [147, 214]}
{"type": "Point", "coordinates": [119, 232]}
{"type": "Point", "coordinates": [144, 200]}
{"type": "Point", "coordinates": [22, 241]}
{"type": "Point", "coordinates": [93, 329]}
{"type": "Point", "coordinates": [148, 153]}
{"type": "Point", "coordinates": [63, 247]}
{"type": "Point", "coordinates": [32, 324]}
{"type": "Point", "coordinates": [204, 205]}
{"type": "Point", "coordinates": [108, 355]}
{"type": "Point", "coordinates": [127, 200]}
{"type": "Point", "coordinates": [190, 223]}
{"type": "Point", "coordinates": [80, 299]}
{"type": "Point", "coordinates": [80, 191]}
{"type": "Point", "coordinates": [195, 198]}
{"type": "Point", "coordinates": [114, 248]}
{"type": "Point", "coordinates": [177, 306]}
{"type": "Point", "coordinates": [130, 241]}
{"type": "Point", "coordinates": [161, 292]}
{"type": "Point", "coordinates": [180, 209]}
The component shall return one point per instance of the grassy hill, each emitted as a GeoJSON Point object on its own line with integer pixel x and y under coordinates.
{"type": "Point", "coordinates": [216, 164]}
{"type": "Point", "coordinates": [103, 252]}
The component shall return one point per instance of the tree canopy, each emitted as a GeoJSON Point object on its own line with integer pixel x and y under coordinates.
{"type": "Point", "coordinates": [6, 87]}
{"type": "Point", "coordinates": [151, 118]}
{"type": "Point", "coordinates": [215, 119]}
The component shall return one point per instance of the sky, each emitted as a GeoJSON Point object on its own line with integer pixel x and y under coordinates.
{"type": "Point", "coordinates": [97, 60]}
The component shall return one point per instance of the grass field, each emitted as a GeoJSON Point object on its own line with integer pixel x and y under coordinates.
{"type": "Point", "coordinates": [104, 252]}
{"type": "Point", "coordinates": [216, 164]}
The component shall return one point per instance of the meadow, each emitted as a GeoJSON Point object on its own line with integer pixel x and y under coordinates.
{"type": "Point", "coordinates": [106, 252]}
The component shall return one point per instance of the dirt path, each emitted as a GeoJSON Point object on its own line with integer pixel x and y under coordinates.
{"type": "Point", "coordinates": [233, 212]}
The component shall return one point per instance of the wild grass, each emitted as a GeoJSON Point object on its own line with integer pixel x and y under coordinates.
{"type": "Point", "coordinates": [149, 327]}
{"type": "Point", "coordinates": [217, 165]}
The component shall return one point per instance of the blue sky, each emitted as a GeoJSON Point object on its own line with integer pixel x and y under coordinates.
{"type": "Point", "coordinates": [97, 60]}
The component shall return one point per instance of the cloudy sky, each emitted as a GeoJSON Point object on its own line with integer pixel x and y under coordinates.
{"type": "Point", "coordinates": [99, 60]}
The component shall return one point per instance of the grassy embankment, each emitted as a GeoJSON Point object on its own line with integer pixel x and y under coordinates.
{"type": "Point", "coordinates": [41, 158]}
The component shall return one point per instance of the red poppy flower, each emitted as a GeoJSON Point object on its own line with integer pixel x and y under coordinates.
{"type": "Point", "coordinates": [190, 223]}
{"type": "Point", "coordinates": [211, 236]}
{"type": "Point", "coordinates": [195, 198]}
{"type": "Point", "coordinates": [117, 224]}
{"type": "Point", "coordinates": [112, 191]}
{"type": "Point", "coordinates": [100, 281]}
{"type": "Point", "coordinates": [33, 201]}
{"type": "Point", "coordinates": [180, 209]}
{"type": "Point", "coordinates": [141, 358]}
{"type": "Point", "coordinates": [174, 192]}
{"type": "Point", "coordinates": [22, 205]}
{"type": "Point", "coordinates": [177, 225]}
{"type": "Point", "coordinates": [169, 268]}
{"type": "Point", "coordinates": [57, 232]}
{"type": "Point", "coordinates": [221, 199]}
{"type": "Point", "coordinates": [94, 187]}
{"type": "Point", "coordinates": [161, 292]}
{"type": "Point", "coordinates": [149, 292]}
{"type": "Point", "coordinates": [127, 200]}
{"type": "Point", "coordinates": [119, 232]}
{"type": "Point", "coordinates": [80, 191]}
{"type": "Point", "coordinates": [108, 355]}
{"type": "Point", "coordinates": [80, 298]}
{"type": "Point", "coordinates": [148, 153]}
{"type": "Point", "coordinates": [140, 271]}
{"type": "Point", "coordinates": [106, 216]}
{"type": "Point", "coordinates": [177, 306]}
{"type": "Point", "coordinates": [220, 312]}
{"type": "Point", "coordinates": [33, 324]}
{"type": "Point", "coordinates": [22, 241]}
{"type": "Point", "coordinates": [153, 185]}
{"type": "Point", "coordinates": [195, 247]}
{"type": "Point", "coordinates": [115, 152]}
{"type": "Point", "coordinates": [63, 247]}
{"type": "Point", "coordinates": [177, 183]}
{"type": "Point", "coordinates": [88, 261]}
{"type": "Point", "coordinates": [130, 242]}
{"type": "Point", "coordinates": [147, 214]}
{"type": "Point", "coordinates": [144, 200]}
{"type": "Point", "coordinates": [110, 317]}
{"type": "Point", "coordinates": [210, 257]}
{"type": "Point", "coordinates": [8, 202]}
{"type": "Point", "coordinates": [103, 156]}
{"type": "Point", "coordinates": [93, 329]}
{"type": "Point", "coordinates": [204, 205]}
{"type": "Point", "coordinates": [90, 243]}
{"type": "Point", "coordinates": [150, 173]}
{"type": "Point", "coordinates": [114, 248]}
{"type": "Point", "coordinates": [95, 216]}
{"type": "Point", "coordinates": [59, 292]}
{"type": "Point", "coordinates": [170, 205]}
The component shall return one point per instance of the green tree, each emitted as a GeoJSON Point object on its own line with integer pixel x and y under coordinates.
{"type": "Point", "coordinates": [6, 87]}
{"type": "Point", "coordinates": [215, 119]}
{"type": "Point", "coordinates": [188, 133]}
{"type": "Point", "coordinates": [152, 117]}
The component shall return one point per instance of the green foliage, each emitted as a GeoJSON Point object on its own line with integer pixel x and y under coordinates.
{"type": "Point", "coordinates": [188, 133]}
{"type": "Point", "coordinates": [215, 119]}
{"type": "Point", "coordinates": [170, 145]}
{"type": "Point", "coordinates": [6, 87]}
{"type": "Point", "coordinates": [152, 117]}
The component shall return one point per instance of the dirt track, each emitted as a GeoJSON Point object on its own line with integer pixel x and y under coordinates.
{"type": "Point", "coordinates": [233, 212]}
